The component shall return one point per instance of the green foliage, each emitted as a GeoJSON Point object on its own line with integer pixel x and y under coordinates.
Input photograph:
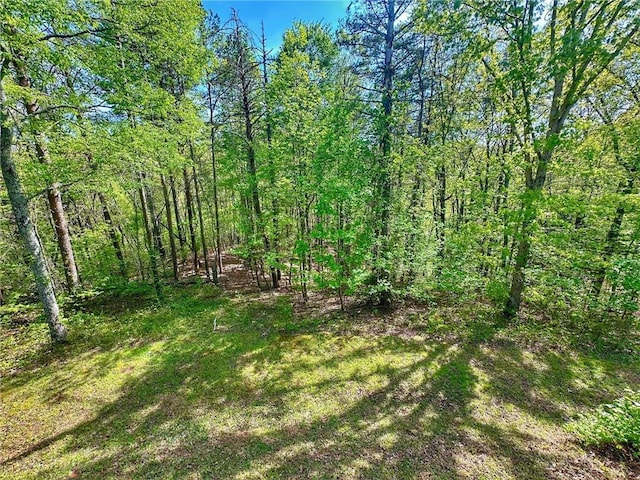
{"type": "Point", "coordinates": [615, 424]}
{"type": "Point", "coordinates": [426, 154]}
{"type": "Point", "coordinates": [375, 290]}
{"type": "Point", "coordinates": [313, 176]}
{"type": "Point", "coordinates": [624, 276]}
{"type": "Point", "coordinates": [497, 291]}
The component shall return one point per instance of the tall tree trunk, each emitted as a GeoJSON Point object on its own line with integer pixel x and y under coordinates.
{"type": "Point", "coordinates": [625, 188]}
{"type": "Point", "coordinates": [383, 183]}
{"type": "Point", "coordinates": [139, 261]}
{"type": "Point", "coordinates": [529, 213]}
{"type": "Point", "coordinates": [20, 207]}
{"type": "Point", "coordinates": [192, 230]}
{"type": "Point", "coordinates": [440, 213]}
{"type": "Point", "coordinates": [414, 206]}
{"type": "Point", "coordinates": [613, 236]}
{"type": "Point", "coordinates": [176, 210]}
{"type": "Point", "coordinates": [216, 207]}
{"type": "Point", "coordinates": [172, 240]}
{"type": "Point", "coordinates": [251, 159]}
{"type": "Point", "coordinates": [275, 273]}
{"type": "Point", "coordinates": [203, 239]}
{"type": "Point", "coordinates": [501, 202]}
{"type": "Point", "coordinates": [245, 70]}
{"type": "Point", "coordinates": [56, 208]}
{"type": "Point", "coordinates": [417, 191]}
{"type": "Point", "coordinates": [253, 172]}
{"type": "Point", "coordinates": [577, 75]}
{"type": "Point", "coordinates": [304, 266]}
{"type": "Point", "coordinates": [113, 235]}
{"type": "Point", "coordinates": [155, 224]}
{"type": "Point", "coordinates": [148, 214]}
{"type": "Point", "coordinates": [533, 186]}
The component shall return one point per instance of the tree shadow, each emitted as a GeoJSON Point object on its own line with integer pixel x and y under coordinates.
{"type": "Point", "coordinates": [259, 398]}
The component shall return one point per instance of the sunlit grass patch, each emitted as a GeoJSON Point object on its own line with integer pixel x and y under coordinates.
{"type": "Point", "coordinates": [210, 386]}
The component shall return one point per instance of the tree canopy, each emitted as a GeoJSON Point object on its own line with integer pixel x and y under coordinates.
{"type": "Point", "coordinates": [481, 148]}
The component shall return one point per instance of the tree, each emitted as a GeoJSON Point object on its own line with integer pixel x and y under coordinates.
{"type": "Point", "coordinates": [373, 31]}
{"type": "Point", "coordinates": [20, 207]}
{"type": "Point", "coordinates": [543, 68]}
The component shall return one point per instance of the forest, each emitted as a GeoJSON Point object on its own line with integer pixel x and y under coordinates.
{"type": "Point", "coordinates": [406, 245]}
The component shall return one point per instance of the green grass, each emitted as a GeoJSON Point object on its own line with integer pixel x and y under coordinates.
{"type": "Point", "coordinates": [148, 391]}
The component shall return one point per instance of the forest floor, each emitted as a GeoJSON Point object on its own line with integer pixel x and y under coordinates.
{"type": "Point", "coordinates": [235, 383]}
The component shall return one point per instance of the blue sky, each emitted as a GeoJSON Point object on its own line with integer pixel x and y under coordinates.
{"type": "Point", "coordinates": [278, 15]}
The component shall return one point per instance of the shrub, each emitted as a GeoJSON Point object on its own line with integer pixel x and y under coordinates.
{"type": "Point", "coordinates": [616, 424]}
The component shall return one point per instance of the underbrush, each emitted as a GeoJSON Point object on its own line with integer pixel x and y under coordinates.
{"type": "Point", "coordinates": [614, 425]}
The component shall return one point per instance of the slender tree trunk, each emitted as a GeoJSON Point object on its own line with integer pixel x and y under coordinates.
{"type": "Point", "coordinates": [414, 206]}
{"type": "Point", "coordinates": [192, 230]}
{"type": "Point", "coordinates": [529, 213]}
{"type": "Point", "coordinates": [140, 261]}
{"type": "Point", "coordinates": [113, 235]}
{"type": "Point", "coordinates": [176, 210]}
{"type": "Point", "coordinates": [146, 203]}
{"type": "Point", "coordinates": [533, 186]}
{"type": "Point", "coordinates": [214, 267]}
{"type": "Point", "coordinates": [417, 191]}
{"type": "Point", "coordinates": [304, 267]}
{"type": "Point", "coordinates": [517, 279]}
{"type": "Point", "coordinates": [383, 183]}
{"type": "Point", "coordinates": [172, 240]}
{"type": "Point", "coordinates": [251, 160]}
{"type": "Point", "coordinates": [441, 199]}
{"type": "Point", "coordinates": [216, 203]}
{"type": "Point", "coordinates": [501, 203]}
{"type": "Point", "coordinates": [155, 224]}
{"type": "Point", "coordinates": [613, 236]}
{"type": "Point", "coordinates": [216, 210]}
{"type": "Point", "coordinates": [205, 252]}
{"type": "Point", "coordinates": [341, 254]}
{"type": "Point", "coordinates": [275, 273]}
{"type": "Point", "coordinates": [20, 207]}
{"type": "Point", "coordinates": [245, 70]}
{"type": "Point", "coordinates": [56, 208]}
{"type": "Point", "coordinates": [253, 173]}
{"type": "Point", "coordinates": [625, 188]}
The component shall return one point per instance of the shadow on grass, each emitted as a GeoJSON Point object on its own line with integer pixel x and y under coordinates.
{"type": "Point", "coordinates": [266, 396]}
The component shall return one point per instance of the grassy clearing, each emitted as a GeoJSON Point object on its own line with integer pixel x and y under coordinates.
{"type": "Point", "coordinates": [144, 391]}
